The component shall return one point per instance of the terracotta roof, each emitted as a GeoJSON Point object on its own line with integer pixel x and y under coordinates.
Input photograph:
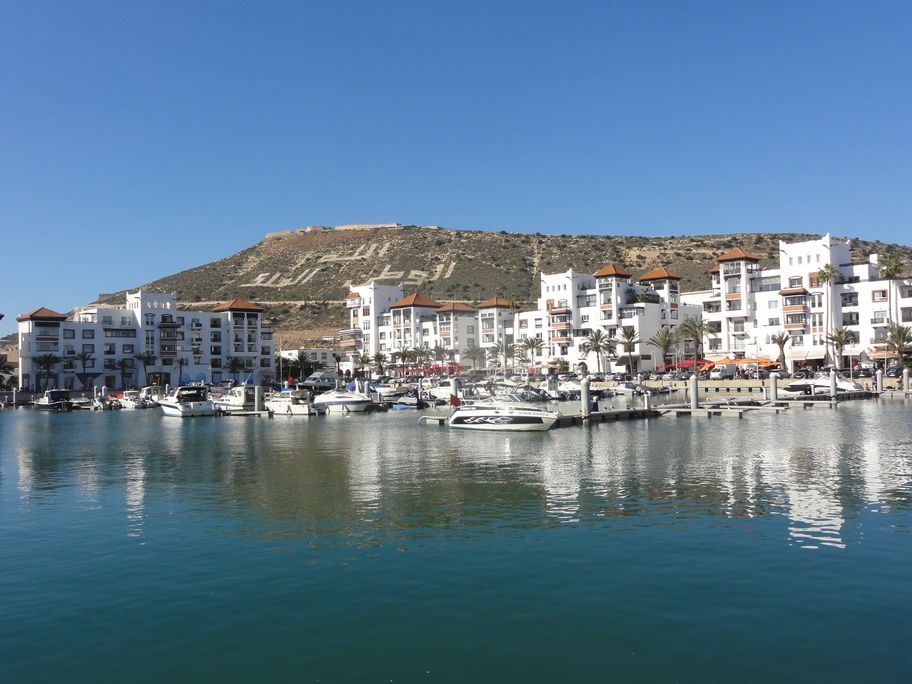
{"type": "Point", "coordinates": [238, 305]}
{"type": "Point", "coordinates": [42, 313]}
{"type": "Point", "coordinates": [455, 307]}
{"type": "Point", "coordinates": [660, 273]}
{"type": "Point", "coordinates": [714, 269]}
{"type": "Point", "coordinates": [415, 299]}
{"type": "Point", "coordinates": [352, 295]}
{"type": "Point", "coordinates": [793, 291]}
{"type": "Point", "coordinates": [738, 254]}
{"type": "Point", "coordinates": [494, 301]}
{"type": "Point", "coordinates": [612, 270]}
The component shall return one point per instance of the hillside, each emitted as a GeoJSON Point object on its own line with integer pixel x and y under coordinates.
{"type": "Point", "coordinates": [302, 276]}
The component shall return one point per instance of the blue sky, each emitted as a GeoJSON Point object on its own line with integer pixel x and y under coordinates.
{"type": "Point", "coordinates": [140, 139]}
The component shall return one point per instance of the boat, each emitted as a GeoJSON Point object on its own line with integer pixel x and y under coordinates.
{"type": "Point", "coordinates": [819, 384]}
{"type": "Point", "coordinates": [131, 400]}
{"type": "Point", "coordinates": [290, 402]}
{"type": "Point", "coordinates": [240, 398]}
{"type": "Point", "coordinates": [629, 388]}
{"type": "Point", "coordinates": [502, 412]}
{"type": "Point", "coordinates": [187, 401]}
{"type": "Point", "coordinates": [81, 404]}
{"type": "Point", "coordinates": [151, 394]}
{"type": "Point", "coordinates": [54, 400]}
{"type": "Point", "coordinates": [341, 400]}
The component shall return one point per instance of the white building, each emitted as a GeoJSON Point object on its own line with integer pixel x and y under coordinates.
{"type": "Point", "coordinates": [183, 345]}
{"type": "Point", "coordinates": [366, 305]}
{"type": "Point", "coordinates": [746, 305]}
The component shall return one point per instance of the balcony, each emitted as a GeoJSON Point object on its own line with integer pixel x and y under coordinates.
{"type": "Point", "coordinates": [562, 326]}
{"type": "Point", "coordinates": [560, 309]}
{"type": "Point", "coordinates": [351, 333]}
{"type": "Point", "coordinates": [878, 321]}
{"type": "Point", "coordinates": [560, 340]}
{"type": "Point", "coordinates": [795, 326]}
{"type": "Point", "coordinates": [350, 343]}
{"type": "Point", "coordinates": [795, 308]}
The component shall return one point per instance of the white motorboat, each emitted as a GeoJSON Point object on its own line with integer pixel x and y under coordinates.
{"type": "Point", "coordinates": [819, 384]}
{"type": "Point", "coordinates": [629, 388]}
{"type": "Point", "coordinates": [187, 401]}
{"type": "Point", "coordinates": [290, 403]}
{"type": "Point", "coordinates": [131, 400]}
{"type": "Point", "coordinates": [502, 412]}
{"type": "Point", "coordinates": [240, 398]}
{"type": "Point", "coordinates": [151, 394]}
{"type": "Point", "coordinates": [341, 400]}
{"type": "Point", "coordinates": [54, 400]}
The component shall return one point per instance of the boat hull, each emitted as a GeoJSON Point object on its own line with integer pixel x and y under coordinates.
{"type": "Point", "coordinates": [188, 409]}
{"type": "Point", "coordinates": [286, 408]}
{"type": "Point", "coordinates": [501, 421]}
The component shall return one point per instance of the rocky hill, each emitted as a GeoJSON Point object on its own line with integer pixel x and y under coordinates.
{"type": "Point", "coordinates": [301, 276]}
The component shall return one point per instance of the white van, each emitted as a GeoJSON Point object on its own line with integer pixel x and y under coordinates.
{"type": "Point", "coordinates": [723, 371]}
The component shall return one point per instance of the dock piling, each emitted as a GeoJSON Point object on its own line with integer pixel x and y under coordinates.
{"type": "Point", "coordinates": [586, 406]}
{"type": "Point", "coordinates": [905, 380]}
{"type": "Point", "coordinates": [878, 380]}
{"type": "Point", "coordinates": [774, 386]}
{"type": "Point", "coordinates": [694, 392]}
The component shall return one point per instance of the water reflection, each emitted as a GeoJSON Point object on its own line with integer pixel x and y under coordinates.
{"type": "Point", "coordinates": [361, 475]}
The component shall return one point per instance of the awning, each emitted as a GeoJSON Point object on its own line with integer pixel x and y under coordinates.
{"type": "Point", "coordinates": [760, 362]}
{"type": "Point", "coordinates": [716, 358]}
{"type": "Point", "coordinates": [805, 354]}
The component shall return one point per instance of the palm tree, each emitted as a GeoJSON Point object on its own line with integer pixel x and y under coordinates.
{"type": "Point", "coordinates": [599, 343]}
{"type": "Point", "coordinates": [828, 275]}
{"type": "Point", "coordinates": [532, 346]}
{"type": "Point", "coordinates": [46, 362]}
{"type": "Point", "coordinates": [664, 340]}
{"type": "Point", "coordinates": [396, 358]}
{"type": "Point", "coordinates": [363, 361]}
{"type": "Point", "coordinates": [695, 328]}
{"type": "Point", "coordinates": [475, 353]}
{"type": "Point", "coordinates": [126, 370]}
{"type": "Point", "coordinates": [629, 340]}
{"type": "Point", "coordinates": [890, 269]}
{"type": "Point", "coordinates": [6, 369]}
{"type": "Point", "coordinates": [440, 353]}
{"type": "Point", "coordinates": [181, 362]}
{"type": "Point", "coordinates": [337, 357]}
{"type": "Point", "coordinates": [146, 359]}
{"type": "Point", "coordinates": [379, 362]}
{"type": "Point", "coordinates": [301, 361]}
{"type": "Point", "coordinates": [235, 365]}
{"type": "Point", "coordinates": [840, 338]}
{"type": "Point", "coordinates": [84, 358]}
{"type": "Point", "coordinates": [899, 341]}
{"type": "Point", "coordinates": [502, 350]}
{"type": "Point", "coordinates": [780, 339]}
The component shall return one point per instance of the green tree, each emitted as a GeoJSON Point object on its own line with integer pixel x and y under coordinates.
{"type": "Point", "coordinates": [828, 275]}
{"type": "Point", "coordinates": [474, 353]}
{"type": "Point", "coordinates": [695, 328]}
{"type": "Point", "coordinates": [890, 268]}
{"type": "Point", "coordinates": [629, 339]}
{"type": "Point", "coordinates": [840, 338]}
{"type": "Point", "coordinates": [363, 361]}
{"type": "Point", "coordinates": [84, 358]}
{"type": "Point", "coordinates": [379, 362]}
{"type": "Point", "coordinates": [146, 359]}
{"type": "Point", "coordinates": [337, 358]}
{"type": "Point", "coordinates": [181, 363]}
{"type": "Point", "coordinates": [125, 368]}
{"type": "Point", "coordinates": [505, 350]}
{"type": "Point", "coordinates": [899, 341]}
{"type": "Point", "coordinates": [598, 342]}
{"type": "Point", "coordinates": [780, 339]}
{"type": "Point", "coordinates": [234, 365]}
{"type": "Point", "coordinates": [46, 363]}
{"type": "Point", "coordinates": [664, 340]}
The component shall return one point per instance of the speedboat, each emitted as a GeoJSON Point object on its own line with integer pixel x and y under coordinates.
{"type": "Point", "coordinates": [341, 400]}
{"type": "Point", "coordinates": [132, 400]}
{"type": "Point", "coordinates": [819, 384]}
{"type": "Point", "coordinates": [240, 398]}
{"type": "Point", "coordinates": [151, 394]}
{"type": "Point", "coordinates": [629, 388]}
{"type": "Point", "coordinates": [187, 401]}
{"type": "Point", "coordinates": [290, 402]}
{"type": "Point", "coordinates": [54, 400]}
{"type": "Point", "coordinates": [502, 412]}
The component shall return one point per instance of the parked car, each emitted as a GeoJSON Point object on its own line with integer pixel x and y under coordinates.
{"type": "Point", "coordinates": [803, 374]}
{"type": "Point", "coordinates": [864, 373]}
{"type": "Point", "coordinates": [894, 372]}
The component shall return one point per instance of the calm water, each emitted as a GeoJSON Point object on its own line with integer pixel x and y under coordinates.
{"type": "Point", "coordinates": [365, 548]}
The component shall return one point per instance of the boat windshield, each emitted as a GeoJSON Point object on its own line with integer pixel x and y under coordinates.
{"type": "Point", "coordinates": [191, 394]}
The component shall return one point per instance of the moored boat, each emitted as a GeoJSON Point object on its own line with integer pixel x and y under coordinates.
{"type": "Point", "coordinates": [290, 403]}
{"type": "Point", "coordinates": [54, 400]}
{"type": "Point", "coordinates": [187, 401]}
{"type": "Point", "coordinates": [502, 412]}
{"type": "Point", "coordinates": [240, 398]}
{"type": "Point", "coordinates": [341, 400]}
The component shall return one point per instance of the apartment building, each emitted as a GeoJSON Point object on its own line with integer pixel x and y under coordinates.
{"type": "Point", "coordinates": [183, 345]}
{"type": "Point", "coordinates": [747, 305]}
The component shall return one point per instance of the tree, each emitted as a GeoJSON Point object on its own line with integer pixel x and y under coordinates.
{"type": "Point", "coordinates": [379, 362]}
{"type": "Point", "coordinates": [890, 269]}
{"type": "Point", "coordinates": [532, 346]}
{"type": "Point", "coordinates": [234, 365]}
{"type": "Point", "coordinates": [181, 362]}
{"type": "Point", "coordinates": [899, 341]}
{"type": "Point", "coordinates": [6, 369]}
{"type": "Point", "coordinates": [363, 361]}
{"type": "Point", "coordinates": [146, 359]}
{"type": "Point", "coordinates": [840, 338]}
{"type": "Point", "coordinates": [125, 367]}
{"type": "Point", "coordinates": [598, 342]}
{"type": "Point", "coordinates": [301, 362]}
{"type": "Point", "coordinates": [695, 328]}
{"type": "Point", "coordinates": [474, 353]}
{"type": "Point", "coordinates": [337, 357]}
{"type": "Point", "coordinates": [502, 350]}
{"type": "Point", "coordinates": [828, 275]}
{"type": "Point", "coordinates": [629, 340]}
{"type": "Point", "coordinates": [84, 358]}
{"type": "Point", "coordinates": [46, 363]}
{"type": "Point", "coordinates": [780, 339]}
{"type": "Point", "coordinates": [440, 353]}
{"type": "Point", "coordinates": [664, 340]}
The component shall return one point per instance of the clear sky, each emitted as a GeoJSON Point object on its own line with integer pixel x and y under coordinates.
{"type": "Point", "coordinates": [138, 139]}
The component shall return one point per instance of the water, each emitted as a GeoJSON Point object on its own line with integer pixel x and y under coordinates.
{"type": "Point", "coordinates": [366, 548]}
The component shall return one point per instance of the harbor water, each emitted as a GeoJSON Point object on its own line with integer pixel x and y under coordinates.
{"type": "Point", "coordinates": [363, 548]}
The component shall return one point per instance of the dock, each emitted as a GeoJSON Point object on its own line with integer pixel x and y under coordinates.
{"type": "Point", "coordinates": [571, 419]}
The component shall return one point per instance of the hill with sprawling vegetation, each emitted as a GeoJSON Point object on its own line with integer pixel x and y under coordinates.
{"type": "Point", "coordinates": [301, 276]}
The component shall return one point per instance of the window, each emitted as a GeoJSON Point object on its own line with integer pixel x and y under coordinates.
{"type": "Point", "coordinates": [88, 334]}
{"type": "Point", "coordinates": [849, 298]}
{"type": "Point", "coordinates": [69, 334]}
{"type": "Point", "coordinates": [795, 282]}
{"type": "Point", "coordinates": [108, 348]}
{"type": "Point", "coordinates": [109, 364]}
{"type": "Point", "coordinates": [150, 319]}
{"type": "Point", "coordinates": [88, 348]}
{"type": "Point", "coordinates": [215, 322]}
{"type": "Point", "coordinates": [774, 304]}
{"type": "Point", "coordinates": [773, 322]}
{"type": "Point", "coordinates": [879, 296]}
{"type": "Point", "coordinates": [799, 259]}
{"type": "Point", "coordinates": [585, 318]}
{"type": "Point", "coordinates": [128, 349]}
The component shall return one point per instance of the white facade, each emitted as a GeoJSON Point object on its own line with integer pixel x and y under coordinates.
{"type": "Point", "coordinates": [187, 345]}
{"type": "Point", "coordinates": [746, 306]}
{"type": "Point", "coordinates": [366, 305]}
